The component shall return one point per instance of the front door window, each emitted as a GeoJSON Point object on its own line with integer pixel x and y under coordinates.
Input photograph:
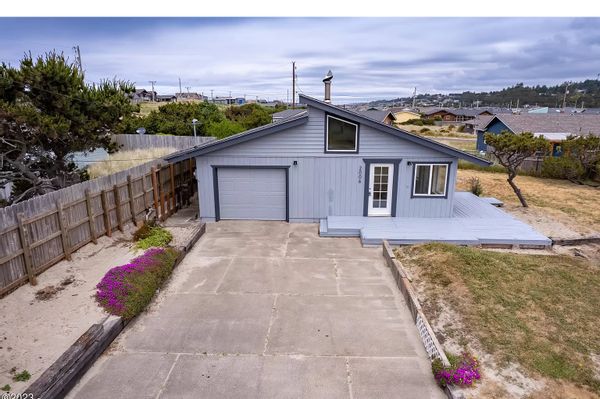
{"type": "Point", "coordinates": [380, 189]}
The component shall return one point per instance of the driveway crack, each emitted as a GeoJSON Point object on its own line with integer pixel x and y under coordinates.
{"type": "Point", "coordinates": [164, 384]}
{"type": "Point", "coordinates": [349, 378]}
{"type": "Point", "coordinates": [337, 276]}
{"type": "Point", "coordinates": [271, 320]}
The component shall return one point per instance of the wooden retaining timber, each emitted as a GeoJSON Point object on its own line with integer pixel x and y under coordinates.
{"type": "Point", "coordinates": [40, 232]}
{"type": "Point", "coordinates": [576, 241]}
{"type": "Point", "coordinates": [63, 374]}
{"type": "Point", "coordinates": [432, 346]}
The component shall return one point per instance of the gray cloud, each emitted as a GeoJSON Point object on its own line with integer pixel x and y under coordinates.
{"type": "Point", "coordinates": [370, 58]}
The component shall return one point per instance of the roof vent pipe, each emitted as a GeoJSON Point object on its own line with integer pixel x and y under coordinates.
{"type": "Point", "coordinates": [327, 82]}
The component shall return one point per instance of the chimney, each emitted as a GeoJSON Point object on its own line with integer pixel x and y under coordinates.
{"type": "Point", "coordinates": [327, 82]}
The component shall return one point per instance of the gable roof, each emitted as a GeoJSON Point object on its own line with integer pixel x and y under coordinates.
{"type": "Point", "coordinates": [394, 131]}
{"type": "Point", "coordinates": [467, 112]}
{"type": "Point", "coordinates": [303, 118]}
{"type": "Point", "coordinates": [377, 115]}
{"type": "Point", "coordinates": [396, 110]}
{"type": "Point", "coordinates": [576, 124]}
{"type": "Point", "coordinates": [288, 113]}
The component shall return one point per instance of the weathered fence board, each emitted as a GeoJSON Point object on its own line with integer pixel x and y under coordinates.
{"type": "Point", "coordinates": [136, 141]}
{"type": "Point", "coordinates": [38, 233]}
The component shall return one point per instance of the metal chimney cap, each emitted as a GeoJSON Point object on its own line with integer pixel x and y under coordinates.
{"type": "Point", "coordinates": [328, 77]}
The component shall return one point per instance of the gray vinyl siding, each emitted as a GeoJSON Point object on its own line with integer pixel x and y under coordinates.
{"type": "Point", "coordinates": [322, 185]}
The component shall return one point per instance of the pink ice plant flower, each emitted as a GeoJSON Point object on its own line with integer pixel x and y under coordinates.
{"type": "Point", "coordinates": [114, 287]}
{"type": "Point", "coordinates": [465, 374]}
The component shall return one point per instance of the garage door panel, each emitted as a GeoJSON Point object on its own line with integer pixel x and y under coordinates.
{"type": "Point", "coordinates": [258, 194]}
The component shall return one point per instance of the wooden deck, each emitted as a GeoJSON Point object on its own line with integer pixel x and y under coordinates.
{"type": "Point", "coordinates": [475, 222]}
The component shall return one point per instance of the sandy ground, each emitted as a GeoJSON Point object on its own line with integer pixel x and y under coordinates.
{"type": "Point", "coordinates": [33, 332]}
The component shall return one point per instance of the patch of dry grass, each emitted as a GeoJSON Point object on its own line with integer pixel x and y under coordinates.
{"type": "Point", "coordinates": [436, 131]}
{"type": "Point", "coordinates": [126, 159]}
{"type": "Point", "coordinates": [541, 312]}
{"type": "Point", "coordinates": [573, 205]}
{"type": "Point", "coordinates": [460, 143]}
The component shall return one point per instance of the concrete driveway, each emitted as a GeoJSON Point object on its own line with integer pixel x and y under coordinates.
{"type": "Point", "coordinates": [270, 310]}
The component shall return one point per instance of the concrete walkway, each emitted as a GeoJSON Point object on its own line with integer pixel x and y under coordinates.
{"type": "Point", "coordinates": [270, 310]}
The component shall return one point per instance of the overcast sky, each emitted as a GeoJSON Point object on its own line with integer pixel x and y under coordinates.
{"type": "Point", "coordinates": [370, 58]}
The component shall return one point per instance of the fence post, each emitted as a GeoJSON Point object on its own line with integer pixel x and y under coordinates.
{"type": "Point", "coordinates": [64, 229]}
{"type": "Point", "coordinates": [106, 213]}
{"type": "Point", "coordinates": [118, 205]}
{"type": "Point", "coordinates": [131, 203]}
{"type": "Point", "coordinates": [92, 218]}
{"type": "Point", "coordinates": [173, 200]}
{"type": "Point", "coordinates": [155, 190]}
{"type": "Point", "coordinates": [161, 189]}
{"type": "Point", "coordinates": [144, 190]}
{"type": "Point", "coordinates": [26, 250]}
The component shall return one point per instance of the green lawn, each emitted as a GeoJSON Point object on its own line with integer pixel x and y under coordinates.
{"type": "Point", "coordinates": [540, 311]}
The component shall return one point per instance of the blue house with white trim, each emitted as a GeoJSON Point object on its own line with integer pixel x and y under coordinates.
{"type": "Point", "coordinates": [325, 162]}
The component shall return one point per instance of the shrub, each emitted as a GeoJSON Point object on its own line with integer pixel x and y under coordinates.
{"type": "Point", "coordinates": [126, 290]}
{"type": "Point", "coordinates": [143, 231]}
{"type": "Point", "coordinates": [563, 167]}
{"type": "Point", "coordinates": [451, 127]}
{"type": "Point", "coordinates": [416, 122]}
{"type": "Point", "coordinates": [22, 376]}
{"type": "Point", "coordinates": [461, 128]}
{"type": "Point", "coordinates": [424, 130]}
{"type": "Point", "coordinates": [6, 388]}
{"type": "Point", "coordinates": [154, 237]}
{"type": "Point", "coordinates": [475, 186]}
{"type": "Point", "coordinates": [463, 370]}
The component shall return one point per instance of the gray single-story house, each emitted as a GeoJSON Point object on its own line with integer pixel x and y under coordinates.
{"type": "Point", "coordinates": [322, 162]}
{"type": "Point", "coordinates": [354, 175]}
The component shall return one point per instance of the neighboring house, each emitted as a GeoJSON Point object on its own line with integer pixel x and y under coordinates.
{"type": "Point", "coordinates": [380, 116]}
{"type": "Point", "coordinates": [325, 161]}
{"type": "Point", "coordinates": [404, 114]}
{"type": "Point", "coordinates": [192, 96]}
{"type": "Point", "coordinates": [286, 114]}
{"type": "Point", "coordinates": [456, 115]}
{"type": "Point", "coordinates": [555, 127]}
{"type": "Point", "coordinates": [142, 95]}
{"type": "Point", "coordinates": [229, 100]}
{"type": "Point", "coordinates": [472, 125]}
{"type": "Point", "coordinates": [166, 98]}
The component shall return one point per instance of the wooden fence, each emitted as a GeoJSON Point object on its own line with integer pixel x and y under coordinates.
{"type": "Point", "coordinates": [136, 141]}
{"type": "Point", "coordinates": [40, 232]}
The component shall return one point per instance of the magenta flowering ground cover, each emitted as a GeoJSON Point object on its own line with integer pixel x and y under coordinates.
{"type": "Point", "coordinates": [126, 290]}
{"type": "Point", "coordinates": [463, 371]}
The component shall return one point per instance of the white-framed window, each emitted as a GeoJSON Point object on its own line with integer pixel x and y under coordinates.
{"type": "Point", "coordinates": [340, 135]}
{"type": "Point", "coordinates": [430, 180]}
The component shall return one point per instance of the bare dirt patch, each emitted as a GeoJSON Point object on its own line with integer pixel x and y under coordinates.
{"type": "Point", "coordinates": [38, 323]}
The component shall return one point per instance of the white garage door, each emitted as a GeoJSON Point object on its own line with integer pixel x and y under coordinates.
{"type": "Point", "coordinates": [258, 194]}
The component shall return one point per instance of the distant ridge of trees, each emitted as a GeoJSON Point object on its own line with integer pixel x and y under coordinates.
{"type": "Point", "coordinates": [586, 92]}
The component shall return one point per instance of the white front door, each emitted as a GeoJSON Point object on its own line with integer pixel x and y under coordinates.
{"type": "Point", "coordinates": [381, 176]}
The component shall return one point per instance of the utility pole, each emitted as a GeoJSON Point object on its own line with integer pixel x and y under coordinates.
{"type": "Point", "coordinates": [180, 92]}
{"type": "Point", "coordinates": [211, 95]}
{"type": "Point", "coordinates": [188, 88]}
{"type": "Point", "coordinates": [152, 82]}
{"type": "Point", "coordinates": [78, 58]}
{"type": "Point", "coordinates": [564, 104]}
{"type": "Point", "coordinates": [414, 98]}
{"type": "Point", "coordinates": [293, 84]}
